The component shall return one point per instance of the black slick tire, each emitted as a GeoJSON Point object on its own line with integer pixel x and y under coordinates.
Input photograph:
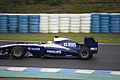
{"type": "Point", "coordinates": [17, 52]}
{"type": "Point", "coordinates": [85, 53]}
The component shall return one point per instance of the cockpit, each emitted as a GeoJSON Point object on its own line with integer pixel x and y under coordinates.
{"type": "Point", "coordinates": [56, 38]}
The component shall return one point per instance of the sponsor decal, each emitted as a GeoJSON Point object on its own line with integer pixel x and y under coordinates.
{"type": "Point", "coordinates": [70, 44]}
{"type": "Point", "coordinates": [30, 48]}
{"type": "Point", "coordinates": [54, 52]}
{"type": "Point", "coordinates": [93, 48]}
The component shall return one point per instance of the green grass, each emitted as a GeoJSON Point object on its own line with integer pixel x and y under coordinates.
{"type": "Point", "coordinates": [66, 6]}
{"type": "Point", "coordinates": [78, 37]}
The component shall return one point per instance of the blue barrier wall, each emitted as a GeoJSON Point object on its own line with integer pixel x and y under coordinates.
{"type": "Point", "coordinates": [34, 21]}
{"type": "Point", "coordinates": [19, 23]}
{"type": "Point", "coordinates": [30, 23]}
{"type": "Point", "coordinates": [105, 23]}
{"type": "Point", "coordinates": [23, 23]}
{"type": "Point", "coordinates": [3, 23]}
{"type": "Point", "coordinates": [95, 23]}
{"type": "Point", "coordinates": [12, 23]}
{"type": "Point", "coordinates": [114, 23]}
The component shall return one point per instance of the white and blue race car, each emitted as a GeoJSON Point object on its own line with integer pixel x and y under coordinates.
{"type": "Point", "coordinates": [61, 47]}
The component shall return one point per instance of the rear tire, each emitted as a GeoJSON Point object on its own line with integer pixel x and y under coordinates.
{"type": "Point", "coordinates": [85, 53]}
{"type": "Point", "coordinates": [17, 52]}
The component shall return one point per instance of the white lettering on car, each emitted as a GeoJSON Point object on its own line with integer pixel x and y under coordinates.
{"type": "Point", "coordinates": [54, 52]}
{"type": "Point", "coordinates": [70, 44]}
{"type": "Point", "coordinates": [30, 48]}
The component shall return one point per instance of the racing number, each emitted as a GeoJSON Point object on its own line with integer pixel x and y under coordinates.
{"type": "Point", "coordinates": [70, 44]}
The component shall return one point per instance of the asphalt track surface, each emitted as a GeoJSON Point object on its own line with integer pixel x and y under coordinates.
{"type": "Point", "coordinates": [108, 58]}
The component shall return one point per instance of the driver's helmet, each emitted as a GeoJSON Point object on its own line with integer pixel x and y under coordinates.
{"type": "Point", "coordinates": [49, 42]}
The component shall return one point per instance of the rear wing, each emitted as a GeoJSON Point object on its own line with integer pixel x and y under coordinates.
{"type": "Point", "coordinates": [91, 43]}
{"type": "Point", "coordinates": [90, 39]}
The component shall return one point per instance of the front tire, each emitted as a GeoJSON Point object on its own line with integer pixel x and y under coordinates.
{"type": "Point", "coordinates": [85, 53]}
{"type": "Point", "coordinates": [17, 52]}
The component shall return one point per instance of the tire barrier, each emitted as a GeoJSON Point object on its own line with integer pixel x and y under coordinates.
{"type": "Point", "coordinates": [115, 23]}
{"type": "Point", "coordinates": [75, 23]}
{"type": "Point", "coordinates": [44, 23]}
{"type": "Point", "coordinates": [23, 23]}
{"type": "Point", "coordinates": [104, 23]}
{"type": "Point", "coordinates": [3, 23]}
{"type": "Point", "coordinates": [60, 23]}
{"type": "Point", "coordinates": [64, 23]}
{"type": "Point", "coordinates": [53, 24]}
{"type": "Point", "coordinates": [12, 23]}
{"type": "Point", "coordinates": [34, 21]}
{"type": "Point", "coordinates": [85, 23]}
{"type": "Point", "coordinates": [95, 23]}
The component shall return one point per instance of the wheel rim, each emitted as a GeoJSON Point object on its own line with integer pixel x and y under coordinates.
{"type": "Point", "coordinates": [17, 53]}
{"type": "Point", "coordinates": [84, 54]}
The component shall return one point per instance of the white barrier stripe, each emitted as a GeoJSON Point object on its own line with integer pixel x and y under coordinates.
{"type": "Point", "coordinates": [16, 68]}
{"type": "Point", "coordinates": [115, 72]}
{"type": "Point", "coordinates": [50, 70]}
{"type": "Point", "coordinates": [85, 71]}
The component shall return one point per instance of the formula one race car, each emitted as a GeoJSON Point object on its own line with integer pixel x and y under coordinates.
{"type": "Point", "coordinates": [61, 47]}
